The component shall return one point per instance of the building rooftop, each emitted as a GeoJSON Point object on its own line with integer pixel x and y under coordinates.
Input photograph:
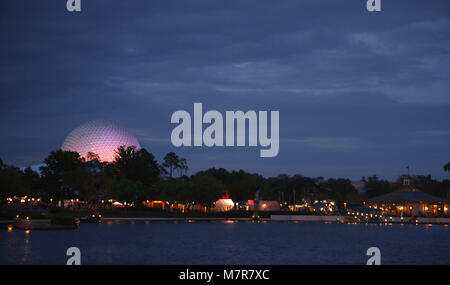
{"type": "Point", "coordinates": [413, 196]}
{"type": "Point", "coordinates": [408, 193]}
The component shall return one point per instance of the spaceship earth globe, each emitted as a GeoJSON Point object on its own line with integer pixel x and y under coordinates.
{"type": "Point", "coordinates": [101, 138]}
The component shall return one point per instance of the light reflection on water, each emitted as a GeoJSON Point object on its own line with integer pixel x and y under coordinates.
{"type": "Point", "coordinates": [26, 248]}
{"type": "Point", "coordinates": [229, 242]}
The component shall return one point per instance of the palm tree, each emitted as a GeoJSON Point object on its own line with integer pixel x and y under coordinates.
{"type": "Point", "coordinates": [183, 168]}
{"type": "Point", "coordinates": [447, 167]}
{"type": "Point", "coordinates": [173, 162]}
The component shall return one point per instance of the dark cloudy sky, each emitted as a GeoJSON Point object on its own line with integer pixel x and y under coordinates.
{"type": "Point", "coordinates": [359, 93]}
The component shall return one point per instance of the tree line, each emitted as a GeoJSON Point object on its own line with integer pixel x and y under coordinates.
{"type": "Point", "coordinates": [375, 186]}
{"type": "Point", "coordinates": [136, 176]}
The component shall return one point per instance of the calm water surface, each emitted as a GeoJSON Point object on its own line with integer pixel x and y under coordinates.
{"type": "Point", "coordinates": [229, 243]}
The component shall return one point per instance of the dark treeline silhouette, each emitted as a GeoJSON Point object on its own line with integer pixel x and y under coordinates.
{"type": "Point", "coordinates": [136, 176]}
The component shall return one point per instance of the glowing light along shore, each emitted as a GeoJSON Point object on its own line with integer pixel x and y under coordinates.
{"type": "Point", "coordinates": [101, 138]}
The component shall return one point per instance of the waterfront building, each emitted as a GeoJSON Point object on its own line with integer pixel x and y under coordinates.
{"type": "Point", "coordinates": [264, 205]}
{"type": "Point", "coordinates": [364, 213]}
{"type": "Point", "coordinates": [157, 204]}
{"type": "Point", "coordinates": [73, 204]}
{"type": "Point", "coordinates": [410, 201]}
{"type": "Point", "coordinates": [325, 207]}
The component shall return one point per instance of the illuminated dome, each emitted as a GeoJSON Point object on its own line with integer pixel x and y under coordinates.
{"type": "Point", "coordinates": [99, 137]}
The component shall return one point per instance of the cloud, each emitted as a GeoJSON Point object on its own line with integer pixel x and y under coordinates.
{"type": "Point", "coordinates": [343, 79]}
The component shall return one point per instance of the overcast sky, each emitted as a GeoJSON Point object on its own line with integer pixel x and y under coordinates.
{"type": "Point", "coordinates": [359, 93]}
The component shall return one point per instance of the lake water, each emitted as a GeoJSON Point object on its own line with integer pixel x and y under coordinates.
{"type": "Point", "coordinates": [229, 243]}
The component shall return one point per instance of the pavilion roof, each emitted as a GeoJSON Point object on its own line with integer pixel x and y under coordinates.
{"type": "Point", "coordinates": [416, 196]}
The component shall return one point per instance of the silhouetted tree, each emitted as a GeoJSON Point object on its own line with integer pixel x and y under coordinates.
{"type": "Point", "coordinates": [183, 168]}
{"type": "Point", "coordinates": [205, 189]}
{"type": "Point", "coordinates": [341, 190]}
{"type": "Point", "coordinates": [427, 184]}
{"type": "Point", "coordinates": [125, 190]}
{"type": "Point", "coordinates": [173, 162]}
{"type": "Point", "coordinates": [135, 165]}
{"type": "Point", "coordinates": [58, 162]}
{"type": "Point", "coordinates": [12, 182]}
{"type": "Point", "coordinates": [375, 187]}
{"type": "Point", "coordinates": [32, 179]}
{"type": "Point", "coordinates": [57, 166]}
{"type": "Point", "coordinates": [447, 167]}
{"type": "Point", "coordinates": [92, 156]}
{"type": "Point", "coordinates": [173, 190]}
{"type": "Point", "coordinates": [88, 183]}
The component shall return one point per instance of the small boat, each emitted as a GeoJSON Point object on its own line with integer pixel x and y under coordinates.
{"type": "Point", "coordinates": [91, 219]}
{"type": "Point", "coordinates": [256, 218]}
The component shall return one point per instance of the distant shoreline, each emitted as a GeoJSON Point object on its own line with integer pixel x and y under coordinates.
{"type": "Point", "coordinates": [287, 218]}
{"type": "Point", "coordinates": [272, 218]}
